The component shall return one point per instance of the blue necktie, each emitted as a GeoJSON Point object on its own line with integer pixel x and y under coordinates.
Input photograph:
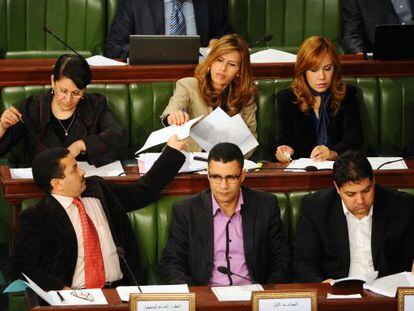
{"type": "Point", "coordinates": [177, 21]}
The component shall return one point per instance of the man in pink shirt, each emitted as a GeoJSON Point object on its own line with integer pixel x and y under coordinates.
{"type": "Point", "coordinates": [228, 226]}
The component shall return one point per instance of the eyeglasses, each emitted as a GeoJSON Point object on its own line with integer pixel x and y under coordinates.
{"type": "Point", "coordinates": [82, 295]}
{"type": "Point", "coordinates": [73, 95]}
{"type": "Point", "coordinates": [217, 179]}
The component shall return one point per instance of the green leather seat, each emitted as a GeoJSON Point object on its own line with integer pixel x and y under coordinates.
{"type": "Point", "coordinates": [80, 23]}
{"type": "Point", "coordinates": [289, 21]}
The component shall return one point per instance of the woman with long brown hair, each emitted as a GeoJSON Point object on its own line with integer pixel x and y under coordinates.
{"type": "Point", "coordinates": [317, 117]}
{"type": "Point", "coordinates": [222, 80]}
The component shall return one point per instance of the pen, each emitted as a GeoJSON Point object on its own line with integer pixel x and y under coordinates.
{"type": "Point", "coordinates": [200, 159]}
{"type": "Point", "coordinates": [60, 296]}
{"type": "Point", "coordinates": [183, 109]}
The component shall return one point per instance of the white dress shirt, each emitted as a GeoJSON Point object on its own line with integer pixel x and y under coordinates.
{"type": "Point", "coordinates": [95, 212]}
{"type": "Point", "coordinates": [359, 235]}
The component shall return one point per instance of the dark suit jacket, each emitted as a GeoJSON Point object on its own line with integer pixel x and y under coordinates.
{"type": "Point", "coordinates": [45, 246]}
{"type": "Point", "coordinates": [94, 123]}
{"type": "Point", "coordinates": [189, 254]}
{"type": "Point", "coordinates": [296, 129]}
{"type": "Point", "coordinates": [146, 17]}
{"type": "Point", "coordinates": [321, 245]}
{"type": "Point", "coordinates": [359, 18]}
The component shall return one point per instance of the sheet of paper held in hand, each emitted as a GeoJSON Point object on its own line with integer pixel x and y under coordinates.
{"type": "Point", "coordinates": [236, 293]}
{"type": "Point", "coordinates": [125, 291]}
{"type": "Point", "coordinates": [52, 297]}
{"type": "Point", "coordinates": [109, 170]}
{"type": "Point", "coordinates": [161, 136]}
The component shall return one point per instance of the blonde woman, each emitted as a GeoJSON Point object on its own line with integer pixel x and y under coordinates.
{"type": "Point", "coordinates": [222, 80]}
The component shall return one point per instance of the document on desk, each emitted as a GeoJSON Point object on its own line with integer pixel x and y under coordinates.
{"type": "Point", "coordinates": [161, 136]}
{"type": "Point", "coordinates": [388, 285]}
{"type": "Point", "coordinates": [377, 161]}
{"type": "Point", "coordinates": [272, 56]}
{"type": "Point", "coordinates": [236, 293]}
{"type": "Point", "coordinates": [99, 61]}
{"type": "Point", "coordinates": [218, 127]}
{"type": "Point", "coordinates": [109, 170]}
{"type": "Point", "coordinates": [302, 163]}
{"type": "Point", "coordinates": [67, 298]}
{"type": "Point", "coordinates": [125, 291]}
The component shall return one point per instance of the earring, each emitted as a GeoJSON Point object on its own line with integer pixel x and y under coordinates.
{"type": "Point", "coordinates": [52, 92]}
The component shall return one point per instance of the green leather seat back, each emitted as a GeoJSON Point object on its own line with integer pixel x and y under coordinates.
{"type": "Point", "coordinates": [396, 104]}
{"type": "Point", "coordinates": [289, 21]}
{"type": "Point", "coordinates": [112, 6]}
{"type": "Point", "coordinates": [148, 101]}
{"type": "Point", "coordinates": [295, 199]}
{"type": "Point", "coordinates": [80, 23]}
{"type": "Point", "coordinates": [283, 203]}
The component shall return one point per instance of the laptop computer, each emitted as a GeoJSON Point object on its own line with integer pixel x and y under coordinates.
{"type": "Point", "coordinates": [160, 49]}
{"type": "Point", "coordinates": [394, 42]}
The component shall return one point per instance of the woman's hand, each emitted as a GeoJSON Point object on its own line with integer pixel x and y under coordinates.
{"type": "Point", "coordinates": [284, 153]}
{"type": "Point", "coordinates": [10, 117]}
{"type": "Point", "coordinates": [323, 153]}
{"type": "Point", "coordinates": [77, 147]}
{"type": "Point", "coordinates": [178, 118]}
{"type": "Point", "coordinates": [175, 143]}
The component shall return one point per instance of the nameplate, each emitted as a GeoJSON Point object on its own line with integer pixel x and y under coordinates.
{"type": "Point", "coordinates": [271, 300]}
{"type": "Point", "coordinates": [405, 297]}
{"type": "Point", "coordinates": [162, 302]}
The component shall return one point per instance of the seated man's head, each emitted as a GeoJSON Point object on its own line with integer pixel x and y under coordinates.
{"type": "Point", "coordinates": [56, 171]}
{"type": "Point", "coordinates": [225, 172]}
{"type": "Point", "coordinates": [354, 182]}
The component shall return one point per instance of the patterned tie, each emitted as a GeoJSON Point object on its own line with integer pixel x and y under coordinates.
{"type": "Point", "coordinates": [177, 21]}
{"type": "Point", "coordinates": [94, 267]}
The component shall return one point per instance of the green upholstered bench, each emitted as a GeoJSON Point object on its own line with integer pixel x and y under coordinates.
{"type": "Point", "coordinates": [80, 23]}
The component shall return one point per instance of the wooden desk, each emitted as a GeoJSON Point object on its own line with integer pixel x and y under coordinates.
{"type": "Point", "coordinates": [37, 71]}
{"type": "Point", "coordinates": [206, 300]}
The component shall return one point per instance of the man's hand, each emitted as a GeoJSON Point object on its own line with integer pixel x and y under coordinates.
{"type": "Point", "coordinates": [327, 281]}
{"type": "Point", "coordinates": [284, 153]}
{"type": "Point", "coordinates": [178, 118]}
{"type": "Point", "coordinates": [77, 147]}
{"type": "Point", "coordinates": [175, 143]}
{"type": "Point", "coordinates": [323, 153]}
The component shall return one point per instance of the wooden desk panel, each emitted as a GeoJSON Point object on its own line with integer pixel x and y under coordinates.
{"type": "Point", "coordinates": [207, 301]}
{"type": "Point", "coordinates": [37, 71]}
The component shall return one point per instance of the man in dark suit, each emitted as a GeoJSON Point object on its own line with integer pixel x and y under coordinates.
{"type": "Point", "coordinates": [354, 228]}
{"type": "Point", "coordinates": [207, 18]}
{"type": "Point", "coordinates": [227, 226]}
{"type": "Point", "coordinates": [359, 18]}
{"type": "Point", "coordinates": [72, 237]}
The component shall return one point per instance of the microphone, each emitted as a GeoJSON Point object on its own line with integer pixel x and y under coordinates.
{"type": "Point", "coordinates": [47, 30]}
{"type": "Point", "coordinates": [265, 39]}
{"type": "Point", "coordinates": [227, 271]}
{"type": "Point", "coordinates": [121, 253]}
{"type": "Point", "coordinates": [393, 161]}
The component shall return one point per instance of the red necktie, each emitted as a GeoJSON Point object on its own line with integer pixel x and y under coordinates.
{"type": "Point", "coordinates": [94, 267]}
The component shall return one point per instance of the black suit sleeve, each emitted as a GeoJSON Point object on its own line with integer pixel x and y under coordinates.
{"type": "Point", "coordinates": [173, 264]}
{"type": "Point", "coordinates": [284, 120]}
{"type": "Point", "coordinates": [147, 188]}
{"type": "Point", "coordinates": [354, 37]}
{"type": "Point", "coordinates": [351, 125]}
{"type": "Point", "coordinates": [117, 41]}
{"type": "Point", "coordinates": [307, 247]}
{"type": "Point", "coordinates": [222, 25]}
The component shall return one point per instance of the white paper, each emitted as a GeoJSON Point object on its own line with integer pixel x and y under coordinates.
{"type": "Point", "coordinates": [204, 51]}
{"type": "Point", "coordinates": [18, 173]}
{"type": "Point", "coordinates": [377, 161]}
{"type": "Point", "coordinates": [236, 293]}
{"type": "Point", "coordinates": [99, 60]}
{"type": "Point", "coordinates": [388, 285]}
{"type": "Point", "coordinates": [351, 296]}
{"type": "Point", "coordinates": [125, 291]}
{"type": "Point", "coordinates": [285, 304]}
{"type": "Point", "coordinates": [167, 305]}
{"type": "Point", "coordinates": [272, 56]}
{"type": "Point", "coordinates": [50, 299]}
{"type": "Point", "coordinates": [162, 135]}
{"type": "Point", "coordinates": [112, 169]}
{"type": "Point", "coordinates": [302, 163]}
{"type": "Point", "coordinates": [367, 278]}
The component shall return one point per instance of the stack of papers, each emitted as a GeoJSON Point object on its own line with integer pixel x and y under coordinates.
{"type": "Point", "coordinates": [125, 291]}
{"type": "Point", "coordinates": [236, 293]}
{"type": "Point", "coordinates": [272, 56]}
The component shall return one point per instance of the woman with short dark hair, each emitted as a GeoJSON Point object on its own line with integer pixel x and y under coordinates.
{"type": "Point", "coordinates": [66, 116]}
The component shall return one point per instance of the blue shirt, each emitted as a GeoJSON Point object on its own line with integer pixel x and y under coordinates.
{"type": "Point", "coordinates": [188, 12]}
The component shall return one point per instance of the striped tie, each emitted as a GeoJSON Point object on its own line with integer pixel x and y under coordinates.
{"type": "Point", "coordinates": [177, 21]}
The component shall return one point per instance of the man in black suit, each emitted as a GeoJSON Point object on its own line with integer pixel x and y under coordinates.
{"type": "Point", "coordinates": [359, 18]}
{"type": "Point", "coordinates": [207, 18]}
{"type": "Point", "coordinates": [354, 228]}
{"type": "Point", "coordinates": [57, 244]}
{"type": "Point", "coordinates": [230, 226]}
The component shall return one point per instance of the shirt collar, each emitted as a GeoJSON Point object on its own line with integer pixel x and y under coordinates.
{"type": "Point", "coordinates": [347, 212]}
{"type": "Point", "coordinates": [216, 206]}
{"type": "Point", "coordinates": [65, 201]}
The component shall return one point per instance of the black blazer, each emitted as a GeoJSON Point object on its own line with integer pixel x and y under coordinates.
{"type": "Point", "coordinates": [359, 18]}
{"type": "Point", "coordinates": [146, 17]}
{"type": "Point", "coordinates": [189, 254]}
{"type": "Point", "coordinates": [45, 246]}
{"type": "Point", "coordinates": [321, 245]}
{"type": "Point", "coordinates": [295, 128]}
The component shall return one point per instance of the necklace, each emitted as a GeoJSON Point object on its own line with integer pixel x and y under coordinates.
{"type": "Point", "coordinates": [70, 124]}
